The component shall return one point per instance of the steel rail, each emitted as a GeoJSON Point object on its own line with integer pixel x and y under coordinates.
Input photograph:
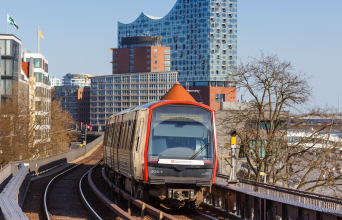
{"type": "Point", "coordinates": [53, 179]}
{"type": "Point", "coordinates": [206, 216]}
{"type": "Point", "coordinates": [136, 202]}
{"type": "Point", "coordinates": [84, 200]}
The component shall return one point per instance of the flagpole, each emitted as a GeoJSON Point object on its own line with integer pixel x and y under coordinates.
{"type": "Point", "coordinates": [38, 41]}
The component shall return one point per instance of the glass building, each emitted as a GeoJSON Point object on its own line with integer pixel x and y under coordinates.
{"type": "Point", "coordinates": [76, 79]}
{"type": "Point", "coordinates": [10, 62]}
{"type": "Point", "coordinates": [202, 35]}
{"type": "Point", "coordinates": [114, 93]}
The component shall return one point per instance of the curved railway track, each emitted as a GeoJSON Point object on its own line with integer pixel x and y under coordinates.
{"type": "Point", "coordinates": [61, 199]}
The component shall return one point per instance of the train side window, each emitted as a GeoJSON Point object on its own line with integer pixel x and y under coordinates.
{"type": "Point", "coordinates": [140, 132]}
{"type": "Point", "coordinates": [132, 135]}
{"type": "Point", "coordinates": [124, 136]}
{"type": "Point", "coordinates": [128, 135]}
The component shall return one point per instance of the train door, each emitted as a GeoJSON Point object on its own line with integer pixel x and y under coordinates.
{"type": "Point", "coordinates": [130, 140]}
{"type": "Point", "coordinates": [122, 157]}
{"type": "Point", "coordinates": [138, 143]}
{"type": "Point", "coordinates": [125, 144]}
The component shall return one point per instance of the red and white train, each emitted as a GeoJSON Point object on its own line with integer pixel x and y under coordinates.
{"type": "Point", "coordinates": [164, 150]}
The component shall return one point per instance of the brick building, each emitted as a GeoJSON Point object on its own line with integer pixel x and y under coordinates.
{"type": "Point", "coordinates": [141, 54]}
{"type": "Point", "coordinates": [83, 105]}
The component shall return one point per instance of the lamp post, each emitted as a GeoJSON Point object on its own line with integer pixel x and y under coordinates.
{"type": "Point", "coordinates": [232, 177]}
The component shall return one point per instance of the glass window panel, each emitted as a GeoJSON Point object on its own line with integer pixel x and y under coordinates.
{"type": "Point", "coordinates": [2, 46]}
{"type": "Point", "coordinates": [9, 67]}
{"type": "Point", "coordinates": [37, 62]}
{"type": "Point", "coordinates": [8, 47]}
{"type": "Point", "coordinates": [2, 67]}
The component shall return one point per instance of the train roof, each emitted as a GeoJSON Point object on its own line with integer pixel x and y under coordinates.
{"type": "Point", "coordinates": [150, 104]}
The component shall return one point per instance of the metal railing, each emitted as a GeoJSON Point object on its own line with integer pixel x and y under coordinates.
{"type": "Point", "coordinates": [41, 165]}
{"type": "Point", "coordinates": [308, 198]}
{"type": "Point", "coordinates": [13, 195]}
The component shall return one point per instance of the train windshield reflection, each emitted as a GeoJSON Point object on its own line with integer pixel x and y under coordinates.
{"type": "Point", "coordinates": [181, 133]}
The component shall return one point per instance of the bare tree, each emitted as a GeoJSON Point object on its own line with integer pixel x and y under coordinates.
{"type": "Point", "coordinates": [31, 125]}
{"type": "Point", "coordinates": [264, 125]}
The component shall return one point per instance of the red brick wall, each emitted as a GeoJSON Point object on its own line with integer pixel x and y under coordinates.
{"type": "Point", "coordinates": [83, 106]}
{"type": "Point", "coordinates": [207, 95]}
{"type": "Point", "coordinates": [122, 60]}
{"type": "Point", "coordinates": [140, 59]}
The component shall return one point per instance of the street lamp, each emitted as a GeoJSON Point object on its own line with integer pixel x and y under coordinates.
{"type": "Point", "coordinates": [234, 153]}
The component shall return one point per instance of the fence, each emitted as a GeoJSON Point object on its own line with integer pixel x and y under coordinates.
{"type": "Point", "coordinates": [5, 176]}
{"type": "Point", "coordinates": [308, 198]}
{"type": "Point", "coordinates": [13, 195]}
{"type": "Point", "coordinates": [45, 164]}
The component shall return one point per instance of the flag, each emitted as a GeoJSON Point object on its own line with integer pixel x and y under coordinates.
{"type": "Point", "coordinates": [81, 123]}
{"type": "Point", "coordinates": [88, 126]}
{"type": "Point", "coordinates": [40, 34]}
{"type": "Point", "coordinates": [11, 21]}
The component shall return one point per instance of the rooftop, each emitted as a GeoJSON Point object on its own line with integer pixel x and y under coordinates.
{"type": "Point", "coordinates": [177, 92]}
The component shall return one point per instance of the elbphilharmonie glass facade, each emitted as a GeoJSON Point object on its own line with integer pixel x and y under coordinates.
{"type": "Point", "coordinates": [202, 35]}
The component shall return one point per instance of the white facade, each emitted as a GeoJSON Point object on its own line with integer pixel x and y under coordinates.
{"type": "Point", "coordinates": [40, 91]}
{"type": "Point", "coordinates": [54, 82]}
{"type": "Point", "coordinates": [110, 94]}
{"type": "Point", "coordinates": [76, 79]}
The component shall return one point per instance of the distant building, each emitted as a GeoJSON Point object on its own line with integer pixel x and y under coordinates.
{"type": "Point", "coordinates": [54, 82]}
{"type": "Point", "coordinates": [75, 99]}
{"type": "Point", "coordinates": [141, 54]}
{"type": "Point", "coordinates": [10, 49]}
{"type": "Point", "coordinates": [114, 93]}
{"type": "Point", "coordinates": [76, 79]}
{"type": "Point", "coordinates": [202, 35]}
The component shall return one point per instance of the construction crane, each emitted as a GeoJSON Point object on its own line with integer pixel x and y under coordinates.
{"type": "Point", "coordinates": [86, 79]}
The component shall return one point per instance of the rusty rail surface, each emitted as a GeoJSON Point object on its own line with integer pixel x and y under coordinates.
{"type": "Point", "coordinates": [309, 198]}
{"type": "Point", "coordinates": [136, 202]}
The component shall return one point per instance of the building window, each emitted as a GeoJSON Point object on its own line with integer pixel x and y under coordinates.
{"type": "Point", "coordinates": [155, 68]}
{"type": "Point", "coordinates": [148, 56]}
{"type": "Point", "coordinates": [155, 50]}
{"type": "Point", "coordinates": [148, 68]}
{"type": "Point", "coordinates": [155, 62]}
{"type": "Point", "coordinates": [167, 57]}
{"type": "Point", "coordinates": [154, 56]}
{"type": "Point", "coordinates": [219, 97]}
{"type": "Point", "coordinates": [115, 64]}
{"type": "Point", "coordinates": [167, 69]}
{"type": "Point", "coordinates": [230, 5]}
{"type": "Point", "coordinates": [131, 69]}
{"type": "Point", "coordinates": [148, 50]}
{"type": "Point", "coordinates": [230, 46]}
{"type": "Point", "coordinates": [148, 62]}
{"type": "Point", "coordinates": [115, 52]}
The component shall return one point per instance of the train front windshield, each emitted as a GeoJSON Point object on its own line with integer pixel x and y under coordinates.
{"type": "Point", "coordinates": [181, 133]}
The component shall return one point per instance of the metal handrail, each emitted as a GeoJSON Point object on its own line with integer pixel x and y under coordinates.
{"type": "Point", "coordinates": [280, 188]}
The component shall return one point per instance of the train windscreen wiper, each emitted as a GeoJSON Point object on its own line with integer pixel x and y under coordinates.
{"type": "Point", "coordinates": [201, 150]}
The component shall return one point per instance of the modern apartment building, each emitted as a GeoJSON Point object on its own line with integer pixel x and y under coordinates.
{"type": "Point", "coordinates": [76, 100]}
{"type": "Point", "coordinates": [76, 79]}
{"type": "Point", "coordinates": [53, 81]}
{"type": "Point", "coordinates": [114, 93]}
{"type": "Point", "coordinates": [10, 49]}
{"type": "Point", "coordinates": [202, 35]}
{"type": "Point", "coordinates": [35, 69]}
{"type": "Point", "coordinates": [141, 54]}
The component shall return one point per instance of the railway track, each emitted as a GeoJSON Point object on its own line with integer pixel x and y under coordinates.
{"type": "Point", "coordinates": [116, 198]}
{"type": "Point", "coordinates": [61, 199]}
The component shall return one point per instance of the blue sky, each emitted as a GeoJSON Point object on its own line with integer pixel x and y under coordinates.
{"type": "Point", "coordinates": [78, 34]}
